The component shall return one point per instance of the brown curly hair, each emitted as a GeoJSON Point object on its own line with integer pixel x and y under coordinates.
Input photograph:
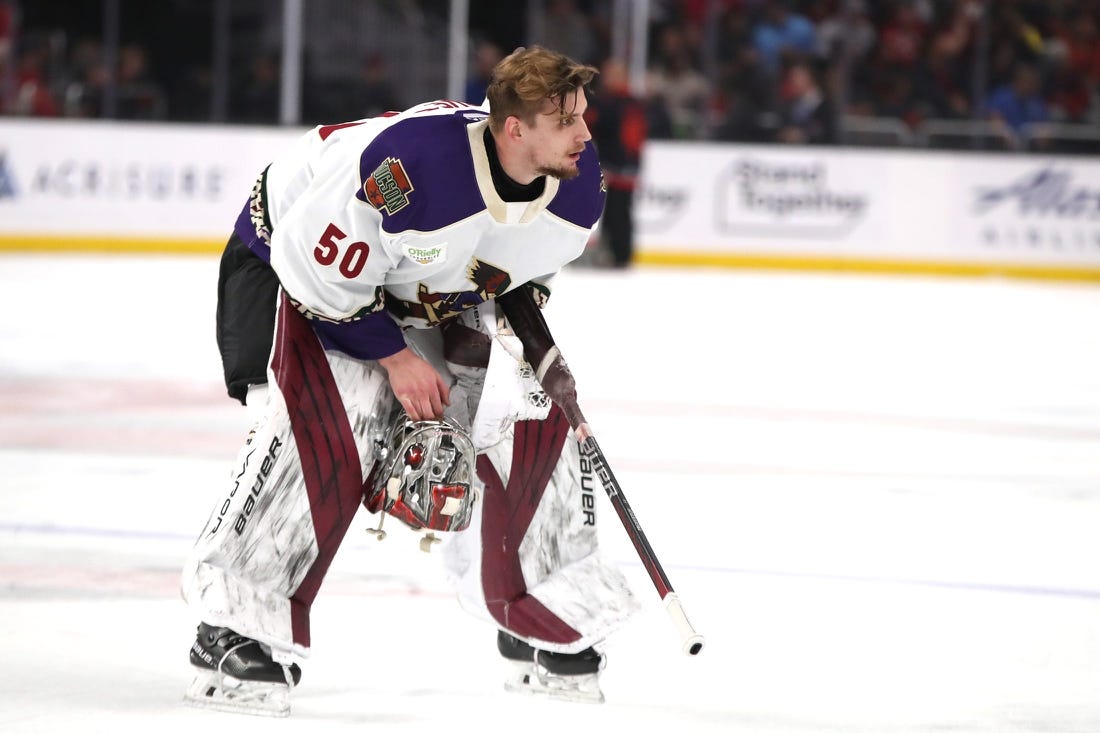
{"type": "Point", "coordinates": [527, 77]}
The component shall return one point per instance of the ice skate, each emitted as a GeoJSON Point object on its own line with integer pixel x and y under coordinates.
{"type": "Point", "coordinates": [237, 674]}
{"type": "Point", "coordinates": [572, 677]}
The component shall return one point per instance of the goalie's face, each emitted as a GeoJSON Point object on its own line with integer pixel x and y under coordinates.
{"type": "Point", "coordinates": [554, 143]}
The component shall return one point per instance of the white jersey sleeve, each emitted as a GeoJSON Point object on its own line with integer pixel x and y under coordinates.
{"type": "Point", "coordinates": [326, 245]}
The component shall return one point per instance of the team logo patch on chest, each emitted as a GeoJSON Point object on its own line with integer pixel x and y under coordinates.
{"type": "Point", "coordinates": [435, 307]}
{"type": "Point", "coordinates": [426, 255]}
{"type": "Point", "coordinates": [388, 187]}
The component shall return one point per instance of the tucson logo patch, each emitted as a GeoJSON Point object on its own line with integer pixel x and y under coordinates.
{"type": "Point", "coordinates": [388, 187]}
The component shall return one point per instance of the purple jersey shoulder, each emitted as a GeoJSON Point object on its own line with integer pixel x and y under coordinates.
{"type": "Point", "coordinates": [580, 200]}
{"type": "Point", "coordinates": [419, 172]}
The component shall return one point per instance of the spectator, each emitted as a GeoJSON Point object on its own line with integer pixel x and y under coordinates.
{"type": "Point", "coordinates": [682, 89]}
{"type": "Point", "coordinates": [257, 100]}
{"type": "Point", "coordinates": [847, 33]}
{"type": "Point", "coordinates": [806, 116]}
{"type": "Point", "coordinates": [619, 125]}
{"type": "Point", "coordinates": [33, 95]}
{"type": "Point", "coordinates": [901, 40]}
{"type": "Point", "coordinates": [487, 54]}
{"type": "Point", "coordinates": [781, 34]}
{"type": "Point", "coordinates": [84, 94]}
{"type": "Point", "coordinates": [658, 120]}
{"type": "Point", "coordinates": [1016, 105]}
{"type": "Point", "coordinates": [376, 93]}
{"type": "Point", "coordinates": [139, 95]}
{"type": "Point", "coordinates": [7, 36]}
{"type": "Point", "coordinates": [1014, 40]}
{"type": "Point", "coordinates": [910, 59]}
{"type": "Point", "coordinates": [1082, 40]}
{"type": "Point", "coordinates": [1068, 93]}
{"type": "Point", "coordinates": [895, 96]}
{"type": "Point", "coordinates": [569, 31]}
{"type": "Point", "coordinates": [940, 84]}
{"type": "Point", "coordinates": [745, 95]}
{"type": "Point", "coordinates": [7, 73]}
{"type": "Point", "coordinates": [192, 96]}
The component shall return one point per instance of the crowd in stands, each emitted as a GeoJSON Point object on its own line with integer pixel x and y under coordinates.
{"type": "Point", "coordinates": [738, 70]}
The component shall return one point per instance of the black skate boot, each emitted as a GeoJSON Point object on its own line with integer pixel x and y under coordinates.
{"type": "Point", "coordinates": [573, 677]}
{"type": "Point", "coordinates": [235, 673]}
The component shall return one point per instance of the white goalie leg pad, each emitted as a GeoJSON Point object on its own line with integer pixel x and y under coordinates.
{"type": "Point", "coordinates": [216, 690]}
{"type": "Point", "coordinates": [561, 561]}
{"type": "Point", "coordinates": [591, 596]}
{"type": "Point", "coordinates": [259, 541]}
{"type": "Point", "coordinates": [530, 678]}
{"type": "Point", "coordinates": [237, 573]}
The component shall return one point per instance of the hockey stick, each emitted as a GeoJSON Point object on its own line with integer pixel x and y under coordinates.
{"type": "Point", "coordinates": [553, 374]}
{"type": "Point", "coordinates": [692, 640]}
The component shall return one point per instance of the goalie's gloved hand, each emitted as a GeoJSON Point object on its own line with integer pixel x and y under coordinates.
{"type": "Point", "coordinates": [558, 383]}
{"type": "Point", "coordinates": [541, 352]}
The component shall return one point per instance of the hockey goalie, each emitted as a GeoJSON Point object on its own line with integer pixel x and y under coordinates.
{"type": "Point", "coordinates": [360, 317]}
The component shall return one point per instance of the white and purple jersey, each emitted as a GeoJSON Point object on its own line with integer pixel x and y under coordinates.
{"type": "Point", "coordinates": [394, 222]}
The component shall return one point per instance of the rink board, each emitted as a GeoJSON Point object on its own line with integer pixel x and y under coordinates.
{"type": "Point", "coordinates": [133, 187]}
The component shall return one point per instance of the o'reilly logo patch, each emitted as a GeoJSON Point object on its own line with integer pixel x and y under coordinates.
{"type": "Point", "coordinates": [388, 187]}
{"type": "Point", "coordinates": [426, 255]}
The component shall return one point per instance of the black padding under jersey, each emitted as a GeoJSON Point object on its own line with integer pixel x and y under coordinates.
{"type": "Point", "coordinates": [247, 292]}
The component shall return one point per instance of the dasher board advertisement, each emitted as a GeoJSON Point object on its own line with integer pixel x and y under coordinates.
{"type": "Point", "coordinates": [699, 201]}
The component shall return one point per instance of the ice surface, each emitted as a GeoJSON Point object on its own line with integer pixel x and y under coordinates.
{"type": "Point", "coordinates": [877, 497]}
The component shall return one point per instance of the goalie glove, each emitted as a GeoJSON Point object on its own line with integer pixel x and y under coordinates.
{"type": "Point", "coordinates": [540, 351]}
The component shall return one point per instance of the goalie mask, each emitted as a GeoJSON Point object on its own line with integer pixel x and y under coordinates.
{"type": "Point", "coordinates": [423, 474]}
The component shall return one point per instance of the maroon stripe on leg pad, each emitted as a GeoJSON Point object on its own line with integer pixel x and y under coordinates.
{"type": "Point", "coordinates": [326, 449]}
{"type": "Point", "coordinates": [506, 516]}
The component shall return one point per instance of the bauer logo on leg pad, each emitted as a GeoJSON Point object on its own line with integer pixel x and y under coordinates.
{"type": "Point", "coordinates": [257, 485]}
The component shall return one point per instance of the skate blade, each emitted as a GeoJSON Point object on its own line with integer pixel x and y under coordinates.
{"type": "Point", "coordinates": [216, 691]}
{"type": "Point", "coordinates": [524, 679]}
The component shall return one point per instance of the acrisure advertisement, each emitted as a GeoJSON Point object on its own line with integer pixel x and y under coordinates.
{"type": "Point", "coordinates": [129, 180]}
